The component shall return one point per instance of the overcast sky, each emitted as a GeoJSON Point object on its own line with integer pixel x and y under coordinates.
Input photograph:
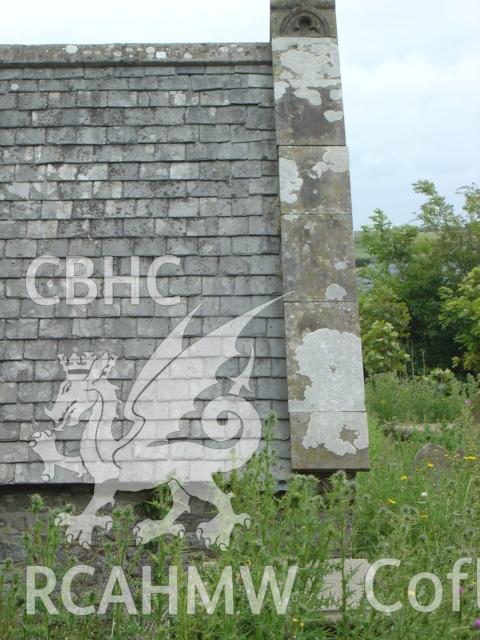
{"type": "Point", "coordinates": [411, 74]}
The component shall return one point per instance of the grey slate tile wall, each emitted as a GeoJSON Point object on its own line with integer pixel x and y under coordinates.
{"type": "Point", "coordinates": [140, 159]}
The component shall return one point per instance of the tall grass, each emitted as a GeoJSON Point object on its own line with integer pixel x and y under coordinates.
{"type": "Point", "coordinates": [426, 516]}
{"type": "Point", "coordinates": [391, 398]}
{"type": "Point", "coordinates": [285, 531]}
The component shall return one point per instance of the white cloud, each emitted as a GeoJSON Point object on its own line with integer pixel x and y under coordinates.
{"type": "Point", "coordinates": [412, 102]}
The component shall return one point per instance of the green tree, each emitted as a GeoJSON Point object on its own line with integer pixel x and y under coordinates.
{"type": "Point", "coordinates": [461, 308]}
{"type": "Point", "coordinates": [417, 261]}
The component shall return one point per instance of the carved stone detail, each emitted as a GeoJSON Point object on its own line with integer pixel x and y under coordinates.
{"type": "Point", "coordinates": [306, 23]}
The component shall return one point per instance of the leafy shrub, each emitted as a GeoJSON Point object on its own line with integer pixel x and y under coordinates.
{"type": "Point", "coordinates": [382, 351]}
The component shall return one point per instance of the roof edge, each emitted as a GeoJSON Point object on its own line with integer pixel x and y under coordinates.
{"type": "Point", "coordinates": [73, 55]}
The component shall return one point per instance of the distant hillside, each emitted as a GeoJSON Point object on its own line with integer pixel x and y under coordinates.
{"type": "Point", "coordinates": [361, 256]}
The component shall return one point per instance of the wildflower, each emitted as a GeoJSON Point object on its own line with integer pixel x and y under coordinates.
{"type": "Point", "coordinates": [404, 478]}
{"type": "Point", "coordinates": [476, 624]}
{"type": "Point", "coordinates": [430, 465]}
{"type": "Point", "coordinates": [468, 402]}
{"type": "Point", "coordinates": [470, 458]}
{"type": "Point", "coordinates": [424, 494]}
{"type": "Point", "coordinates": [424, 516]}
{"type": "Point", "coordinates": [294, 620]}
{"type": "Point", "coordinates": [461, 589]}
{"type": "Point", "coordinates": [392, 501]}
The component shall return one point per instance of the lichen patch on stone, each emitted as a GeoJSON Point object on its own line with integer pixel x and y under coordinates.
{"type": "Point", "coordinates": [333, 116]}
{"type": "Point", "coordinates": [339, 433]}
{"type": "Point", "coordinates": [306, 65]}
{"type": "Point", "coordinates": [334, 159]}
{"type": "Point", "coordinates": [335, 292]}
{"type": "Point", "coordinates": [332, 361]}
{"type": "Point", "coordinates": [291, 182]}
{"type": "Point", "coordinates": [336, 95]}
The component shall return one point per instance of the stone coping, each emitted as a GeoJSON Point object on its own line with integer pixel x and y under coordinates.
{"type": "Point", "coordinates": [295, 4]}
{"type": "Point", "coordinates": [134, 54]}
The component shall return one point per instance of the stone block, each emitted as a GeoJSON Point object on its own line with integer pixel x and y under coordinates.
{"type": "Point", "coordinates": [11, 452]}
{"type": "Point", "coordinates": [16, 412]}
{"type": "Point", "coordinates": [35, 391]}
{"type": "Point", "coordinates": [329, 441]}
{"type": "Point", "coordinates": [14, 191]}
{"type": "Point", "coordinates": [7, 173]}
{"type": "Point", "coordinates": [183, 133]}
{"type": "Point", "coordinates": [140, 227]}
{"type": "Point", "coordinates": [10, 308]}
{"type": "Point", "coordinates": [260, 118]}
{"type": "Point", "coordinates": [107, 190]}
{"type": "Point", "coordinates": [20, 371]}
{"type": "Point", "coordinates": [201, 115]}
{"type": "Point", "coordinates": [56, 135]}
{"type": "Point", "coordinates": [152, 171]}
{"type": "Point", "coordinates": [183, 208]}
{"type": "Point", "coordinates": [318, 258]}
{"type": "Point", "coordinates": [54, 328]}
{"type": "Point", "coordinates": [184, 171]}
{"type": "Point", "coordinates": [40, 349]}
{"type": "Point", "coordinates": [87, 328]}
{"type": "Point", "coordinates": [57, 210]}
{"type": "Point", "coordinates": [120, 208]}
{"type": "Point", "coordinates": [324, 357]}
{"type": "Point", "coordinates": [11, 349]}
{"type": "Point", "coordinates": [42, 229]}
{"type": "Point", "coordinates": [21, 328]}
{"type": "Point", "coordinates": [120, 327]}
{"type": "Point", "coordinates": [309, 107]}
{"type": "Point", "coordinates": [12, 229]}
{"type": "Point", "coordinates": [8, 395]}
{"type": "Point", "coordinates": [107, 228]}
{"type": "Point", "coordinates": [314, 180]}
{"type": "Point", "coordinates": [74, 228]}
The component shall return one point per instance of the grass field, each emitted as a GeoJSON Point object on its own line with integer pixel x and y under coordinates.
{"type": "Point", "coordinates": [427, 516]}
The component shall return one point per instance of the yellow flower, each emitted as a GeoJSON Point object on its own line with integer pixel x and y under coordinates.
{"type": "Point", "coordinates": [294, 620]}
{"type": "Point", "coordinates": [430, 465]}
{"type": "Point", "coordinates": [403, 478]}
{"type": "Point", "coordinates": [301, 624]}
{"type": "Point", "coordinates": [424, 516]}
{"type": "Point", "coordinates": [391, 501]}
{"type": "Point", "coordinates": [470, 458]}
